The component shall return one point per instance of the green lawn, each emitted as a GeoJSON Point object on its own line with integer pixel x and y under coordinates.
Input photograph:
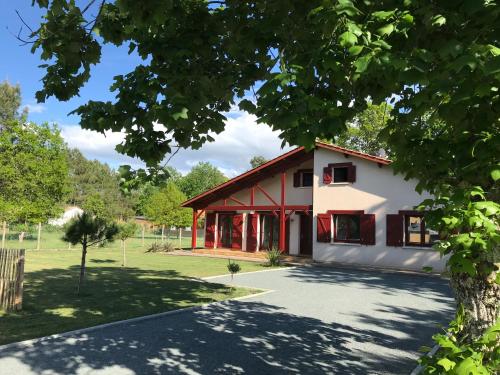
{"type": "Point", "coordinates": [149, 284]}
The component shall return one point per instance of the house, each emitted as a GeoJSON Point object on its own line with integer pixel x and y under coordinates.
{"type": "Point", "coordinates": [69, 214]}
{"type": "Point", "coordinates": [330, 203]}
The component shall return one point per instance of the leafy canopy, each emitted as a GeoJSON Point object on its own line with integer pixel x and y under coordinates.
{"type": "Point", "coordinates": [164, 207]}
{"type": "Point", "coordinates": [257, 161]}
{"type": "Point", "coordinates": [33, 170]}
{"type": "Point", "coordinates": [89, 230]}
{"type": "Point", "coordinates": [201, 178]}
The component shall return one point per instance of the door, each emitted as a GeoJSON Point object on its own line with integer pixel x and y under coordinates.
{"type": "Point", "coordinates": [225, 234]}
{"type": "Point", "coordinates": [269, 231]}
{"type": "Point", "coordinates": [305, 235]}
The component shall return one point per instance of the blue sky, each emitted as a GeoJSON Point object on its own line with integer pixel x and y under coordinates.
{"type": "Point", "coordinates": [231, 151]}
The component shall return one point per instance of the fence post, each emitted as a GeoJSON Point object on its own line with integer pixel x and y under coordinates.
{"type": "Point", "coordinates": [163, 232]}
{"type": "Point", "coordinates": [180, 238]}
{"type": "Point", "coordinates": [4, 233]}
{"type": "Point", "coordinates": [142, 235]}
{"type": "Point", "coordinates": [39, 236]}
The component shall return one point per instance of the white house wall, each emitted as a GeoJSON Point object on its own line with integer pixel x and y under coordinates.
{"type": "Point", "coordinates": [376, 191]}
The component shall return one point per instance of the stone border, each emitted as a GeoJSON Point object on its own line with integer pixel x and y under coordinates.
{"type": "Point", "coordinates": [31, 342]}
{"type": "Point", "coordinates": [250, 272]}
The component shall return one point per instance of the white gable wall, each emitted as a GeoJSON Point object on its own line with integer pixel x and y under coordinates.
{"type": "Point", "coordinates": [376, 191]}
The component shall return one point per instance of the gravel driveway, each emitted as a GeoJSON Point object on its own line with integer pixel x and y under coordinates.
{"type": "Point", "coordinates": [316, 320]}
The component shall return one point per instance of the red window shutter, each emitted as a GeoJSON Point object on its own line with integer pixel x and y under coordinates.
{"type": "Point", "coordinates": [351, 173]}
{"type": "Point", "coordinates": [324, 232]}
{"type": "Point", "coordinates": [368, 229]}
{"type": "Point", "coordinates": [327, 175]}
{"type": "Point", "coordinates": [237, 231]}
{"type": "Point", "coordinates": [395, 229]}
{"type": "Point", "coordinates": [210, 230]}
{"type": "Point", "coordinates": [252, 232]}
{"type": "Point", "coordinates": [296, 179]}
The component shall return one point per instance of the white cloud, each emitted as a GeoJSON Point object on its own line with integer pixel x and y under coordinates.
{"type": "Point", "coordinates": [231, 151]}
{"type": "Point", "coordinates": [35, 108]}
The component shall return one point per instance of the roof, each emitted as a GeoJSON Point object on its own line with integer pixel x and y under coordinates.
{"type": "Point", "coordinates": [276, 165]}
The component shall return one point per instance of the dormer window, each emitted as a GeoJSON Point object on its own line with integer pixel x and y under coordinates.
{"type": "Point", "coordinates": [303, 178]}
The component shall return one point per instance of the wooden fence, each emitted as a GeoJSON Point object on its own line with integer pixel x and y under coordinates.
{"type": "Point", "coordinates": [11, 279]}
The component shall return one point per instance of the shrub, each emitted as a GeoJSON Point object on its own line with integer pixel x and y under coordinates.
{"type": "Point", "coordinates": [233, 267]}
{"type": "Point", "coordinates": [161, 247]}
{"type": "Point", "coordinates": [273, 257]}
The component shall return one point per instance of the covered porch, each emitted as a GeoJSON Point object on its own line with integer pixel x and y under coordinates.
{"type": "Point", "coordinates": [257, 211]}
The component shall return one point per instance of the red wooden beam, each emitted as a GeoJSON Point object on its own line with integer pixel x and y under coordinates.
{"type": "Point", "coordinates": [296, 207]}
{"type": "Point", "coordinates": [266, 194]}
{"type": "Point", "coordinates": [237, 201]}
{"type": "Point", "coordinates": [193, 229]}
{"type": "Point", "coordinates": [282, 239]}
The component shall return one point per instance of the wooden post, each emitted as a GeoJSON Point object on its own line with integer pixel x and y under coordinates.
{"type": "Point", "coordinates": [193, 229]}
{"type": "Point", "coordinates": [39, 236]}
{"type": "Point", "coordinates": [282, 239]}
{"type": "Point", "coordinates": [142, 235]}
{"type": "Point", "coordinates": [180, 238]}
{"type": "Point", "coordinates": [163, 232]}
{"type": "Point", "coordinates": [4, 234]}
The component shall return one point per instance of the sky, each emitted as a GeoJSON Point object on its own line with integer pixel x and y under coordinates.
{"type": "Point", "coordinates": [231, 152]}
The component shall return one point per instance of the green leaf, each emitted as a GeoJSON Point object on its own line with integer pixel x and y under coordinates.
{"type": "Point", "coordinates": [348, 39]}
{"type": "Point", "coordinates": [438, 20]}
{"type": "Point", "coordinates": [183, 114]}
{"type": "Point", "coordinates": [492, 66]}
{"type": "Point", "coordinates": [495, 174]}
{"type": "Point", "coordinates": [362, 63]}
{"type": "Point", "coordinates": [386, 30]}
{"type": "Point", "coordinates": [446, 364]}
{"type": "Point", "coordinates": [355, 50]}
{"type": "Point", "coordinates": [383, 14]}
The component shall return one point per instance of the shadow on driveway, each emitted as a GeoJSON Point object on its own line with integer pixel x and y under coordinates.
{"type": "Point", "coordinates": [257, 336]}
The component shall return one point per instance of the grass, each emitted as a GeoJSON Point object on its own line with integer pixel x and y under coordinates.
{"type": "Point", "coordinates": [150, 283]}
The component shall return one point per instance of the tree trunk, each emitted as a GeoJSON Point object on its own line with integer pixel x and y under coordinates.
{"type": "Point", "coordinates": [162, 233]}
{"type": "Point", "coordinates": [39, 236]}
{"type": "Point", "coordinates": [143, 235]}
{"type": "Point", "coordinates": [21, 237]}
{"type": "Point", "coordinates": [82, 266]}
{"type": "Point", "coordinates": [480, 298]}
{"type": "Point", "coordinates": [180, 238]}
{"type": "Point", "coordinates": [124, 258]}
{"type": "Point", "coordinates": [4, 234]}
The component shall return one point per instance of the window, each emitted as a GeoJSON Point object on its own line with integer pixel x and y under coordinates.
{"type": "Point", "coordinates": [346, 228]}
{"type": "Point", "coordinates": [307, 179]}
{"type": "Point", "coordinates": [340, 174]}
{"type": "Point", "coordinates": [416, 232]}
{"type": "Point", "coordinates": [303, 178]}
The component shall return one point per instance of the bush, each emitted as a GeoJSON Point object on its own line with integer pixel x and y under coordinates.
{"type": "Point", "coordinates": [274, 257]}
{"type": "Point", "coordinates": [161, 247]}
{"type": "Point", "coordinates": [233, 268]}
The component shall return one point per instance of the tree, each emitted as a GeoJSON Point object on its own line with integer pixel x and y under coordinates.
{"type": "Point", "coordinates": [363, 132]}
{"type": "Point", "coordinates": [95, 184]}
{"type": "Point", "coordinates": [257, 161]}
{"type": "Point", "coordinates": [34, 172]}
{"type": "Point", "coordinates": [125, 231]}
{"type": "Point", "coordinates": [88, 231]}
{"type": "Point", "coordinates": [164, 207]}
{"type": "Point", "coordinates": [10, 102]}
{"type": "Point", "coordinates": [313, 65]}
{"type": "Point", "coordinates": [201, 178]}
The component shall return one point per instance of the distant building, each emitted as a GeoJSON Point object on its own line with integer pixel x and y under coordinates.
{"type": "Point", "coordinates": [69, 213]}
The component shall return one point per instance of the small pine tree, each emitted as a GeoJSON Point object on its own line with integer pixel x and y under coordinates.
{"type": "Point", "coordinates": [233, 268]}
{"type": "Point", "coordinates": [88, 231]}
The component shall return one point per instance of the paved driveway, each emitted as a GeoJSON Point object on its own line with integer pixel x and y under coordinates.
{"type": "Point", "coordinates": [318, 320]}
